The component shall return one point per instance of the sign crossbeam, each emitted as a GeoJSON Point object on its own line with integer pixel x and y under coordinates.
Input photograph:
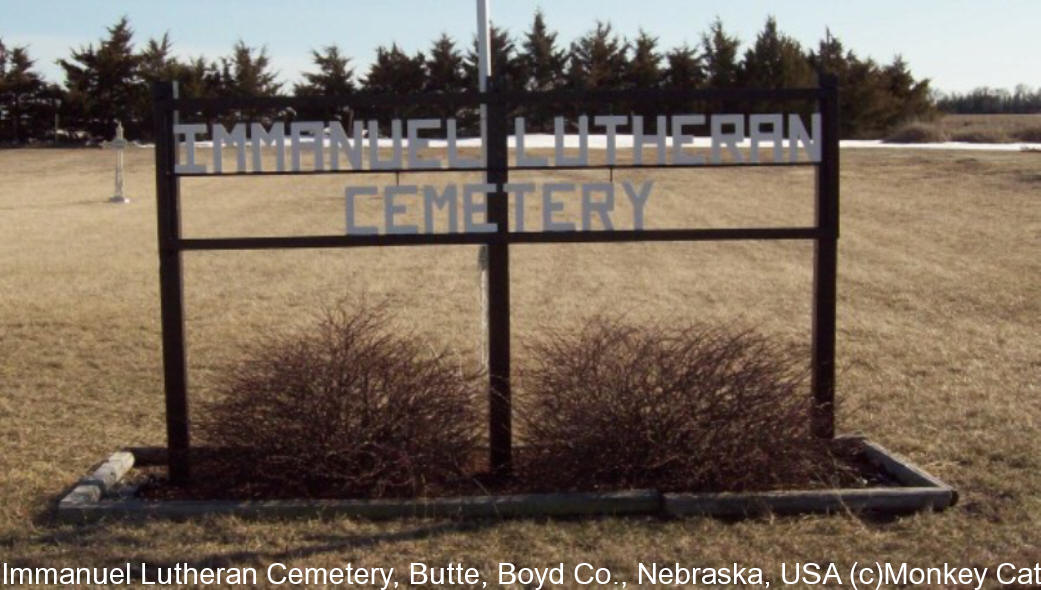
{"type": "Point", "coordinates": [548, 168]}
{"type": "Point", "coordinates": [472, 99]}
{"type": "Point", "coordinates": [824, 233]}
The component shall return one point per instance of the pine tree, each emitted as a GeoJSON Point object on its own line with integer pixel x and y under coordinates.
{"type": "Point", "coordinates": [508, 68]}
{"type": "Point", "coordinates": [909, 98]}
{"type": "Point", "coordinates": [598, 59]}
{"type": "Point", "coordinates": [543, 60]}
{"type": "Point", "coordinates": [334, 77]}
{"type": "Point", "coordinates": [720, 55]}
{"type": "Point", "coordinates": [829, 57]}
{"type": "Point", "coordinates": [103, 84]}
{"type": "Point", "coordinates": [775, 61]}
{"type": "Point", "coordinates": [862, 100]}
{"type": "Point", "coordinates": [445, 67]}
{"type": "Point", "coordinates": [394, 72]}
{"type": "Point", "coordinates": [26, 101]}
{"type": "Point", "coordinates": [156, 62]}
{"type": "Point", "coordinates": [683, 69]}
{"type": "Point", "coordinates": [199, 78]}
{"type": "Point", "coordinates": [644, 68]}
{"type": "Point", "coordinates": [861, 97]}
{"type": "Point", "coordinates": [246, 73]}
{"type": "Point", "coordinates": [445, 73]}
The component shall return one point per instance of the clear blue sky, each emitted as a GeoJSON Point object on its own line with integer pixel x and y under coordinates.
{"type": "Point", "coordinates": [958, 44]}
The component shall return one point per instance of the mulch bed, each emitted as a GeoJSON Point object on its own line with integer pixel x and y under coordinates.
{"type": "Point", "coordinates": [212, 480]}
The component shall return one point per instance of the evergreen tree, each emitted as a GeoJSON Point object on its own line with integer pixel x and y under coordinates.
{"type": "Point", "coordinates": [394, 72]}
{"type": "Point", "coordinates": [508, 68]}
{"type": "Point", "coordinates": [775, 61]}
{"type": "Point", "coordinates": [861, 97]}
{"type": "Point", "coordinates": [829, 57]}
{"type": "Point", "coordinates": [720, 55]}
{"type": "Point", "coordinates": [156, 62]}
{"type": "Point", "coordinates": [644, 68]}
{"type": "Point", "coordinates": [862, 100]}
{"type": "Point", "coordinates": [445, 67]}
{"type": "Point", "coordinates": [199, 79]}
{"type": "Point", "coordinates": [246, 72]}
{"type": "Point", "coordinates": [103, 85]}
{"type": "Point", "coordinates": [909, 98]}
{"type": "Point", "coordinates": [598, 59]}
{"type": "Point", "coordinates": [683, 69]}
{"type": "Point", "coordinates": [543, 60]}
{"type": "Point", "coordinates": [445, 73]}
{"type": "Point", "coordinates": [334, 77]}
{"type": "Point", "coordinates": [643, 72]}
{"type": "Point", "coordinates": [26, 101]}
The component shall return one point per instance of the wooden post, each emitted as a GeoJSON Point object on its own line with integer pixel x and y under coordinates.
{"type": "Point", "coordinates": [171, 291]}
{"type": "Point", "coordinates": [825, 266]}
{"type": "Point", "coordinates": [496, 173]}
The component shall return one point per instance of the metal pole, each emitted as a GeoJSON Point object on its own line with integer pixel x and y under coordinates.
{"type": "Point", "coordinates": [825, 267]}
{"type": "Point", "coordinates": [484, 69]}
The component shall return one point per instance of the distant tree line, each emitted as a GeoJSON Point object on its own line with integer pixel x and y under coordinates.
{"type": "Point", "coordinates": [110, 80]}
{"type": "Point", "coordinates": [992, 100]}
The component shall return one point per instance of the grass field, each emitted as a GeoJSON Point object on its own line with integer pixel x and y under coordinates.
{"type": "Point", "coordinates": [988, 128]}
{"type": "Point", "coordinates": [938, 349]}
{"type": "Point", "coordinates": [1003, 127]}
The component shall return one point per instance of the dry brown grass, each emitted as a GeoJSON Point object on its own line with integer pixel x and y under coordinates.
{"type": "Point", "coordinates": [971, 129]}
{"type": "Point", "coordinates": [992, 128]}
{"type": "Point", "coordinates": [939, 300]}
{"type": "Point", "coordinates": [917, 132]}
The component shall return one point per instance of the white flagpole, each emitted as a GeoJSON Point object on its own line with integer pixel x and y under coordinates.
{"type": "Point", "coordinates": [484, 62]}
{"type": "Point", "coordinates": [484, 70]}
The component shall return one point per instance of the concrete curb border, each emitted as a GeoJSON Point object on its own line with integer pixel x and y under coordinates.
{"type": "Point", "coordinates": [94, 498]}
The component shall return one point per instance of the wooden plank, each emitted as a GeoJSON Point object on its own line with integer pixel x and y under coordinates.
{"type": "Point", "coordinates": [548, 167]}
{"type": "Point", "coordinates": [562, 96]}
{"type": "Point", "coordinates": [171, 290]}
{"type": "Point", "coordinates": [893, 500]}
{"type": "Point", "coordinates": [87, 501]}
{"type": "Point", "coordinates": [570, 504]}
{"type": "Point", "coordinates": [825, 263]}
{"type": "Point", "coordinates": [444, 239]}
{"type": "Point", "coordinates": [901, 468]}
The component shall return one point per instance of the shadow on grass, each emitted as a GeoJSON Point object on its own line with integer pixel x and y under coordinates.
{"type": "Point", "coordinates": [58, 205]}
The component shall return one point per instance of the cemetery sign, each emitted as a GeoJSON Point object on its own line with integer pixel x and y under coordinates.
{"type": "Point", "coordinates": [479, 212]}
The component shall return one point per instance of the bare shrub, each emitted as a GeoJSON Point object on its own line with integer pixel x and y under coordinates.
{"type": "Point", "coordinates": [917, 132]}
{"type": "Point", "coordinates": [675, 408]}
{"type": "Point", "coordinates": [348, 409]}
{"type": "Point", "coordinates": [1028, 134]}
